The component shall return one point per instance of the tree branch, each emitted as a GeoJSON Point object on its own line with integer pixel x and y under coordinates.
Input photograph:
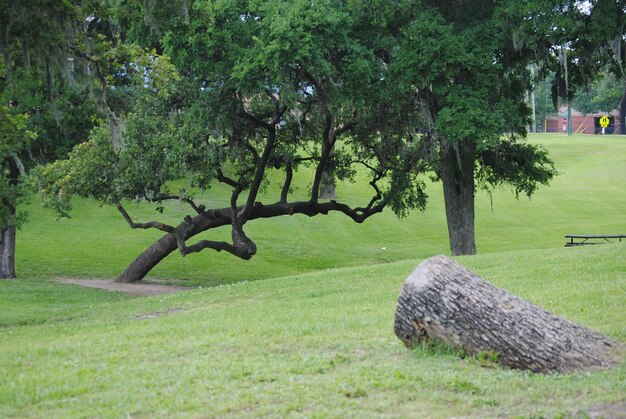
{"type": "Point", "coordinates": [208, 244]}
{"type": "Point", "coordinates": [311, 209]}
{"type": "Point", "coordinates": [278, 114]}
{"type": "Point", "coordinates": [345, 128]}
{"type": "Point", "coordinates": [256, 121]}
{"type": "Point", "coordinates": [260, 170]}
{"type": "Point", "coordinates": [225, 179]}
{"type": "Point", "coordinates": [378, 195]}
{"type": "Point", "coordinates": [288, 178]}
{"type": "Point", "coordinates": [95, 61]}
{"type": "Point", "coordinates": [327, 147]}
{"type": "Point", "coordinates": [252, 151]}
{"type": "Point", "coordinates": [368, 166]}
{"type": "Point", "coordinates": [150, 224]}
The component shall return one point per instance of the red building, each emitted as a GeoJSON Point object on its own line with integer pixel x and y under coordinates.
{"type": "Point", "coordinates": [582, 124]}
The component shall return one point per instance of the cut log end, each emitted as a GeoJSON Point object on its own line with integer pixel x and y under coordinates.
{"type": "Point", "coordinates": [443, 300]}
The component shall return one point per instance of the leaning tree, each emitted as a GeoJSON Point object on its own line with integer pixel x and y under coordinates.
{"type": "Point", "coordinates": [261, 88]}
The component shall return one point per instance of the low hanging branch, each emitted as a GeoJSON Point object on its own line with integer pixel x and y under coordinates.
{"type": "Point", "coordinates": [215, 218]}
{"type": "Point", "coordinates": [443, 300]}
{"type": "Point", "coordinates": [150, 224]}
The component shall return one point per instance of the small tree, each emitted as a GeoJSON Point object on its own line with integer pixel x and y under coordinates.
{"type": "Point", "coordinates": [45, 104]}
{"type": "Point", "coordinates": [14, 137]}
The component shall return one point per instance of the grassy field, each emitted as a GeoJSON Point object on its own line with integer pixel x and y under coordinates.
{"type": "Point", "coordinates": [586, 198]}
{"type": "Point", "coordinates": [305, 328]}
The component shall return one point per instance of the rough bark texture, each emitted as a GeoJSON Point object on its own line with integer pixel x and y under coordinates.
{"type": "Point", "coordinates": [8, 228]}
{"type": "Point", "coordinates": [457, 176]}
{"type": "Point", "coordinates": [148, 259]}
{"type": "Point", "coordinates": [192, 226]}
{"type": "Point", "coordinates": [327, 187]}
{"type": "Point", "coordinates": [443, 300]}
{"type": "Point", "coordinates": [7, 252]}
{"type": "Point", "coordinates": [154, 254]}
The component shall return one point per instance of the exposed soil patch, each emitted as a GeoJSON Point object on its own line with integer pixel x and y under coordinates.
{"type": "Point", "coordinates": [606, 411]}
{"type": "Point", "coordinates": [143, 289]}
{"type": "Point", "coordinates": [156, 314]}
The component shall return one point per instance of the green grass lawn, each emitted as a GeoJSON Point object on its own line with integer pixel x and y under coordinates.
{"type": "Point", "coordinates": [306, 327]}
{"type": "Point", "coordinates": [587, 198]}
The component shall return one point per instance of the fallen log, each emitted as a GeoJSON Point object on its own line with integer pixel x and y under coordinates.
{"type": "Point", "coordinates": [443, 300]}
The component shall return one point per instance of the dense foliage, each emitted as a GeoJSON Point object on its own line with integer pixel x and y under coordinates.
{"type": "Point", "coordinates": [14, 137]}
{"type": "Point", "coordinates": [602, 95]}
{"type": "Point", "coordinates": [46, 96]}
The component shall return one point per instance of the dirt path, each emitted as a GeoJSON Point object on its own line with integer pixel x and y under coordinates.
{"type": "Point", "coordinates": [142, 289]}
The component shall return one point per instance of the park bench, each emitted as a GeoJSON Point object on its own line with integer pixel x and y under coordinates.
{"type": "Point", "coordinates": [580, 239]}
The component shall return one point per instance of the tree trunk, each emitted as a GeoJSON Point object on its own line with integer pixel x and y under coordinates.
{"type": "Point", "coordinates": [7, 251]}
{"type": "Point", "coordinates": [327, 182]}
{"type": "Point", "coordinates": [457, 176]}
{"type": "Point", "coordinates": [327, 187]}
{"type": "Point", "coordinates": [148, 259]}
{"type": "Point", "coordinates": [154, 254]}
{"type": "Point", "coordinates": [443, 300]}
{"type": "Point", "coordinates": [622, 110]}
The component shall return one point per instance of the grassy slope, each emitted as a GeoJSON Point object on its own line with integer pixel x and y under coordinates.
{"type": "Point", "coordinates": [316, 343]}
{"type": "Point", "coordinates": [587, 198]}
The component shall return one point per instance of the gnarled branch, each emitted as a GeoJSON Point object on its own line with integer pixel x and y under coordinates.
{"type": "Point", "coordinates": [150, 224]}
